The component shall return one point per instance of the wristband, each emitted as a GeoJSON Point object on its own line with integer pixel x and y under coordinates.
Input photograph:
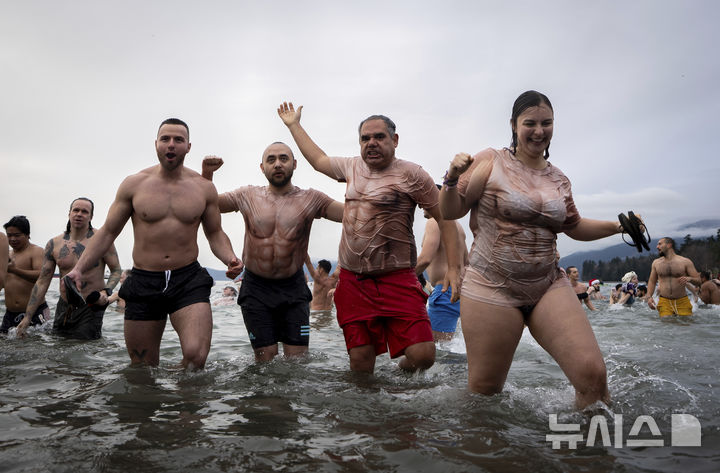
{"type": "Point", "coordinates": [449, 183]}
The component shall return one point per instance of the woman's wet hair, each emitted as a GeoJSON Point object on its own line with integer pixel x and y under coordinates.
{"type": "Point", "coordinates": [528, 99]}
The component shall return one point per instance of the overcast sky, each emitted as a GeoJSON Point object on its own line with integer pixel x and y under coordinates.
{"type": "Point", "coordinates": [85, 84]}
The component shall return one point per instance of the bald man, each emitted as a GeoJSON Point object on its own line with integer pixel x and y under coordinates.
{"type": "Point", "coordinates": [274, 296]}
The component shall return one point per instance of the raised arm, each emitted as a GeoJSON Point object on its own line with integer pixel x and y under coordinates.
{"type": "Point", "coordinates": [211, 164]}
{"type": "Point", "coordinates": [312, 152]}
{"type": "Point", "coordinates": [430, 246]}
{"type": "Point", "coordinates": [454, 205]}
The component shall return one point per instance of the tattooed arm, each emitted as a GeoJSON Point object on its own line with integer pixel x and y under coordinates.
{"type": "Point", "coordinates": [113, 263]}
{"type": "Point", "coordinates": [37, 296]}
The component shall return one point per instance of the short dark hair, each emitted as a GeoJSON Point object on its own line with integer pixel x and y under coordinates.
{"type": "Point", "coordinates": [175, 121]}
{"type": "Point", "coordinates": [671, 242]}
{"type": "Point", "coordinates": [389, 124]}
{"type": "Point", "coordinates": [234, 291]}
{"type": "Point", "coordinates": [528, 99]}
{"type": "Point", "coordinates": [325, 264]}
{"type": "Point", "coordinates": [705, 274]}
{"type": "Point", "coordinates": [92, 212]}
{"type": "Point", "coordinates": [21, 223]}
{"type": "Point", "coordinates": [567, 270]}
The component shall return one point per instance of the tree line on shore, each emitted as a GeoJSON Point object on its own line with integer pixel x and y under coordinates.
{"type": "Point", "coordinates": [703, 252]}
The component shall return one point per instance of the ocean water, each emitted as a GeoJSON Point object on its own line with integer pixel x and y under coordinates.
{"type": "Point", "coordinates": [68, 406]}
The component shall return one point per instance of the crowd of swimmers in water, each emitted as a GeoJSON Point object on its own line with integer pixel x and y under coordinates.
{"type": "Point", "coordinates": [509, 280]}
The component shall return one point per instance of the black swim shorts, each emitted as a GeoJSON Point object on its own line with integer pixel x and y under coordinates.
{"type": "Point", "coordinates": [152, 295]}
{"type": "Point", "coordinates": [276, 310]}
{"type": "Point", "coordinates": [12, 319]}
{"type": "Point", "coordinates": [82, 322]}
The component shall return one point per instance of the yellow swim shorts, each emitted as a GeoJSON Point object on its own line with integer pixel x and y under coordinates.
{"type": "Point", "coordinates": [681, 306]}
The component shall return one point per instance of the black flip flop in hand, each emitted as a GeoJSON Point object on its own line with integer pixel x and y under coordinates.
{"type": "Point", "coordinates": [634, 227]}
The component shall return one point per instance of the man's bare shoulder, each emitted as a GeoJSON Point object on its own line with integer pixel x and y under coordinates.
{"type": "Point", "coordinates": [685, 260]}
{"type": "Point", "coordinates": [197, 179]}
{"type": "Point", "coordinates": [134, 180]}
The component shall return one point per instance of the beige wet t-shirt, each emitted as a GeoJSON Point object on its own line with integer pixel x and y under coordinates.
{"type": "Point", "coordinates": [277, 227]}
{"type": "Point", "coordinates": [380, 205]}
{"type": "Point", "coordinates": [513, 259]}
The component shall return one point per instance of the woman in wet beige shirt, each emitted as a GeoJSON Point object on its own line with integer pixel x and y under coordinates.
{"type": "Point", "coordinates": [519, 202]}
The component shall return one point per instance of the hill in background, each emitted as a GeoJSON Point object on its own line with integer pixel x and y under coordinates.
{"type": "Point", "coordinates": [606, 254]}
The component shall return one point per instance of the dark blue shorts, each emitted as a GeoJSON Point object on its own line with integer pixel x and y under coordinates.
{"type": "Point", "coordinates": [276, 310]}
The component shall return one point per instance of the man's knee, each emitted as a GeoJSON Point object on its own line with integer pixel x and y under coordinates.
{"type": "Point", "coordinates": [194, 355]}
{"type": "Point", "coordinates": [362, 358]}
{"type": "Point", "coordinates": [420, 356]}
{"type": "Point", "coordinates": [266, 353]}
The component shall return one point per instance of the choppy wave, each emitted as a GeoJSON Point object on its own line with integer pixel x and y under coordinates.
{"type": "Point", "coordinates": [77, 406]}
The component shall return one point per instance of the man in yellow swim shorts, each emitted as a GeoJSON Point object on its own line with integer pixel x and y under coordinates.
{"type": "Point", "coordinates": [673, 272]}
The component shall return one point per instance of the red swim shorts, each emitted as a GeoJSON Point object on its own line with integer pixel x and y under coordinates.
{"type": "Point", "coordinates": [387, 310]}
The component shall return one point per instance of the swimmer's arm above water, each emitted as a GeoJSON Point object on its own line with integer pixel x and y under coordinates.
{"type": "Point", "coordinates": [219, 242]}
{"type": "Point", "coordinates": [39, 290]}
{"type": "Point", "coordinates": [335, 211]}
{"type": "Point", "coordinates": [309, 266]}
{"type": "Point", "coordinates": [589, 229]}
{"type": "Point", "coordinates": [112, 261]}
{"type": "Point", "coordinates": [211, 164]}
{"type": "Point", "coordinates": [449, 236]}
{"type": "Point", "coordinates": [430, 246]}
{"type": "Point", "coordinates": [453, 204]}
{"type": "Point", "coordinates": [652, 282]}
{"type": "Point", "coordinates": [312, 152]}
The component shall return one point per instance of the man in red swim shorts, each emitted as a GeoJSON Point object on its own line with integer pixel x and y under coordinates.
{"type": "Point", "coordinates": [380, 303]}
